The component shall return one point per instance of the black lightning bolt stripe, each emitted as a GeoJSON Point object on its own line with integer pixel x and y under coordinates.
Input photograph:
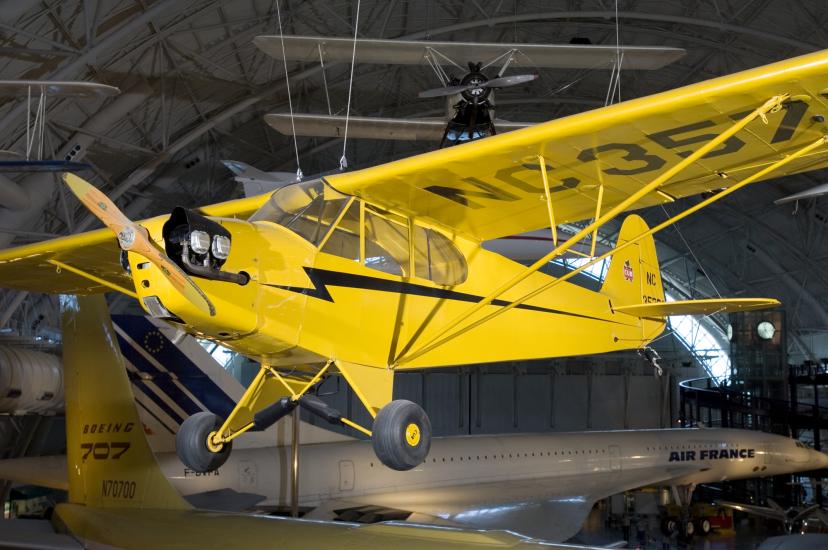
{"type": "Point", "coordinates": [321, 279]}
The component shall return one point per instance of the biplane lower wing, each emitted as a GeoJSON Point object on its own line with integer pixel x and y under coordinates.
{"type": "Point", "coordinates": [698, 307]}
{"type": "Point", "coordinates": [607, 155]}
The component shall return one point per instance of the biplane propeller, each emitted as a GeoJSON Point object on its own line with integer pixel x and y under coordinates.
{"type": "Point", "coordinates": [366, 273]}
{"type": "Point", "coordinates": [472, 119]}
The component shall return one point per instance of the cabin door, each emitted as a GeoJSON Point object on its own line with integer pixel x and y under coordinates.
{"type": "Point", "coordinates": [346, 475]}
{"type": "Point", "coordinates": [614, 458]}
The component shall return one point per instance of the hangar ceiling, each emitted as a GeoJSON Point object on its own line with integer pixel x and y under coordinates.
{"type": "Point", "coordinates": [195, 89]}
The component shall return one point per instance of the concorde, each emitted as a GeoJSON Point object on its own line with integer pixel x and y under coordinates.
{"type": "Point", "coordinates": [537, 485]}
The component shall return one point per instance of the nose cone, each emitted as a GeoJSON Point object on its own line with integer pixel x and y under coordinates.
{"type": "Point", "coordinates": [821, 459]}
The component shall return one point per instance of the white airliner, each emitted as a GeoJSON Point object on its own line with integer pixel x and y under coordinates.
{"type": "Point", "coordinates": [541, 486]}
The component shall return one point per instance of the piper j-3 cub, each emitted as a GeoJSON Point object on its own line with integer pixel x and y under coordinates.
{"type": "Point", "coordinates": [369, 272]}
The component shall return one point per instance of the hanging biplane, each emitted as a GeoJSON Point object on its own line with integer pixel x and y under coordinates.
{"type": "Point", "coordinates": [469, 94]}
{"type": "Point", "coordinates": [369, 272]}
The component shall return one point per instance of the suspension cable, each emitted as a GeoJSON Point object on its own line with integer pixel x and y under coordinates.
{"type": "Point", "coordinates": [614, 88]}
{"type": "Point", "coordinates": [692, 254]}
{"type": "Point", "coordinates": [343, 162]}
{"type": "Point", "coordinates": [299, 174]}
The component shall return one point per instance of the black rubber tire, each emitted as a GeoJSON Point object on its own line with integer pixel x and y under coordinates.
{"type": "Point", "coordinates": [669, 526]}
{"type": "Point", "coordinates": [191, 443]}
{"type": "Point", "coordinates": [702, 527]}
{"type": "Point", "coordinates": [688, 530]}
{"type": "Point", "coordinates": [389, 435]}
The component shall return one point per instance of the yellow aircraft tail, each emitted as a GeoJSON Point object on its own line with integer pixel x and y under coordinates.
{"type": "Point", "coordinates": [110, 461]}
{"type": "Point", "coordinates": [633, 276]}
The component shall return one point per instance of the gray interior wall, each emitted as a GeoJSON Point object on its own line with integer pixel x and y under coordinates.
{"type": "Point", "coordinates": [509, 400]}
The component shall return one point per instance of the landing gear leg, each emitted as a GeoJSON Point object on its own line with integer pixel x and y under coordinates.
{"type": "Point", "coordinates": [684, 496]}
{"type": "Point", "coordinates": [401, 434]}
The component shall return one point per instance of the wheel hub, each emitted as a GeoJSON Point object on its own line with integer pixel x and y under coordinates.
{"type": "Point", "coordinates": [211, 443]}
{"type": "Point", "coordinates": [412, 434]}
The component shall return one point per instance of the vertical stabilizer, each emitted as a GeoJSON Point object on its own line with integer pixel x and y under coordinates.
{"type": "Point", "coordinates": [109, 459]}
{"type": "Point", "coordinates": [633, 276]}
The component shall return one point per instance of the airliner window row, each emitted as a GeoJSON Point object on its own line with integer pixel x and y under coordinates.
{"type": "Point", "coordinates": [505, 456]}
{"type": "Point", "coordinates": [718, 445]}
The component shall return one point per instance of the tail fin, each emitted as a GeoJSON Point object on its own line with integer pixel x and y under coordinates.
{"type": "Point", "coordinates": [110, 461]}
{"type": "Point", "coordinates": [634, 276]}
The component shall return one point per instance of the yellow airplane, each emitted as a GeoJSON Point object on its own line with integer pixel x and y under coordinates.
{"type": "Point", "coordinates": [119, 498]}
{"type": "Point", "coordinates": [369, 272]}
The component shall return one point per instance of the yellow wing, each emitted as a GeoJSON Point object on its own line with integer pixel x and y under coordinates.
{"type": "Point", "coordinates": [698, 307]}
{"type": "Point", "coordinates": [96, 252]}
{"type": "Point", "coordinates": [493, 187]}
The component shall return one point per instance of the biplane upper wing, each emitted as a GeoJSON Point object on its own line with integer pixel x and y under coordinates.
{"type": "Point", "coordinates": [493, 187]}
{"type": "Point", "coordinates": [29, 267]}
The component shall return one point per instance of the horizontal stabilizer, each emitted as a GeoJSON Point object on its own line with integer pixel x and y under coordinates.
{"type": "Point", "coordinates": [43, 471]}
{"type": "Point", "coordinates": [698, 307]}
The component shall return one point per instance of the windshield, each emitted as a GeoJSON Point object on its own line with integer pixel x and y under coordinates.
{"type": "Point", "coordinates": [308, 209]}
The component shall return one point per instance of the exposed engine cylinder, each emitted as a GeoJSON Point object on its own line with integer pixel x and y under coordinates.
{"type": "Point", "coordinates": [30, 381]}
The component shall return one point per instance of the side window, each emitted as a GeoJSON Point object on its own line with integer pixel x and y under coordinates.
{"type": "Point", "coordinates": [386, 242]}
{"type": "Point", "coordinates": [308, 209]}
{"type": "Point", "coordinates": [437, 259]}
{"type": "Point", "coordinates": [344, 240]}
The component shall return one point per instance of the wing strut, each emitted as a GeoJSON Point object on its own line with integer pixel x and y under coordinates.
{"type": "Point", "coordinates": [549, 205]}
{"type": "Point", "coordinates": [772, 104]}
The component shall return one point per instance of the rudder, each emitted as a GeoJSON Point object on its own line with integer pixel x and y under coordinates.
{"type": "Point", "coordinates": [634, 276]}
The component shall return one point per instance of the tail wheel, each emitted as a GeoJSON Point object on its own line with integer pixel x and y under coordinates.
{"type": "Point", "coordinates": [401, 435]}
{"type": "Point", "coordinates": [703, 526]}
{"type": "Point", "coordinates": [191, 443]}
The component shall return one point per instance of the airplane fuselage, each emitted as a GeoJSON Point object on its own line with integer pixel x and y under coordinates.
{"type": "Point", "coordinates": [357, 298]}
{"type": "Point", "coordinates": [536, 467]}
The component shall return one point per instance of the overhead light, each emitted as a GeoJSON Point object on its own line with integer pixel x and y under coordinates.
{"type": "Point", "coordinates": [199, 242]}
{"type": "Point", "coordinates": [765, 330]}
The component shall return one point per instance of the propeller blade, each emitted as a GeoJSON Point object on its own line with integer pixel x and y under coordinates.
{"type": "Point", "coordinates": [135, 238]}
{"type": "Point", "coordinates": [500, 82]}
{"type": "Point", "coordinates": [512, 80]}
{"type": "Point", "coordinates": [446, 91]}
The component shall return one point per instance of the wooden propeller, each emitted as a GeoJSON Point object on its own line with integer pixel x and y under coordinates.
{"type": "Point", "coordinates": [135, 238]}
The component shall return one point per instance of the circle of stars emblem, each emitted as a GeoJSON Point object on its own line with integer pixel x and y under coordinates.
{"type": "Point", "coordinates": [153, 341]}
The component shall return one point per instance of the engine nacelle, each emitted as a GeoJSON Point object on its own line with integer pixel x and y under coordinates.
{"type": "Point", "coordinates": [30, 381]}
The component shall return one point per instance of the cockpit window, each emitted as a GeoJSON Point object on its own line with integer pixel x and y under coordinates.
{"type": "Point", "coordinates": [343, 241]}
{"type": "Point", "coordinates": [308, 209]}
{"type": "Point", "coordinates": [386, 242]}
{"type": "Point", "coordinates": [437, 259]}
